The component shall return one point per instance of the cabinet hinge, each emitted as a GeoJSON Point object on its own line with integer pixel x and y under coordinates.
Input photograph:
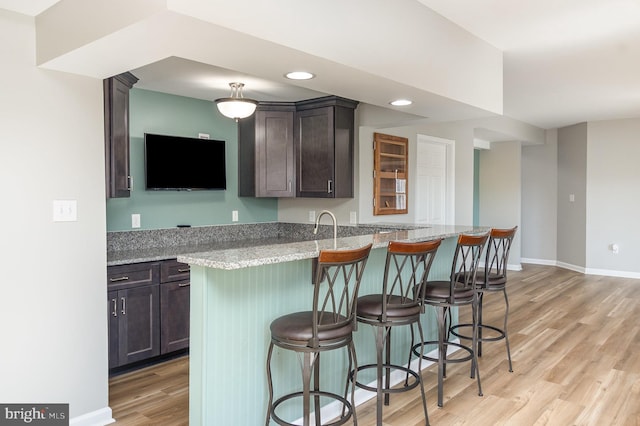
{"type": "Point", "coordinates": [374, 202]}
{"type": "Point", "coordinates": [374, 174]}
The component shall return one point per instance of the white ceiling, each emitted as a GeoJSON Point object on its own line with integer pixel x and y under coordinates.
{"type": "Point", "coordinates": [565, 61]}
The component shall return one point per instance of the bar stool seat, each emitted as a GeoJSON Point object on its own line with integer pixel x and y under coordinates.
{"type": "Point", "coordinates": [297, 329]}
{"type": "Point", "coordinates": [370, 306]}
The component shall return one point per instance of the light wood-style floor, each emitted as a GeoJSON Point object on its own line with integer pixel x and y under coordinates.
{"type": "Point", "coordinates": [575, 342]}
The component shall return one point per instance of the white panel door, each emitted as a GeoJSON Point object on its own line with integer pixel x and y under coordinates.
{"type": "Point", "coordinates": [433, 196]}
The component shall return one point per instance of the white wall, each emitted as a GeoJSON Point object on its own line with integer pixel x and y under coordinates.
{"type": "Point", "coordinates": [540, 200]}
{"type": "Point", "coordinates": [613, 197]}
{"type": "Point", "coordinates": [500, 191]}
{"type": "Point", "coordinates": [572, 180]}
{"type": "Point", "coordinates": [52, 321]}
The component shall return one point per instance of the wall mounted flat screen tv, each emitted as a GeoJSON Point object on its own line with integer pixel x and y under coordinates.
{"type": "Point", "coordinates": [184, 164]}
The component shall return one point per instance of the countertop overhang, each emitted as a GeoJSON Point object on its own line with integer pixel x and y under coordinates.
{"type": "Point", "coordinates": [264, 254]}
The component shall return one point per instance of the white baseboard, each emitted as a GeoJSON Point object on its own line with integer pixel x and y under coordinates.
{"type": "Point", "coordinates": [361, 396]}
{"type": "Point", "coordinates": [539, 261]}
{"type": "Point", "coordinates": [99, 417]}
{"type": "Point", "coordinates": [610, 273]}
{"type": "Point", "coordinates": [583, 270]}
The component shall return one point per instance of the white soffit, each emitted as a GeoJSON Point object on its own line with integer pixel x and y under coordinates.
{"type": "Point", "coordinates": [448, 72]}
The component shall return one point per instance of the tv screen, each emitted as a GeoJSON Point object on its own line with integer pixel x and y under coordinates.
{"type": "Point", "coordinates": [179, 163]}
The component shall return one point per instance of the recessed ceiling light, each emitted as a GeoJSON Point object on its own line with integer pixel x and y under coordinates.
{"type": "Point", "coordinates": [401, 102]}
{"type": "Point", "coordinates": [299, 75]}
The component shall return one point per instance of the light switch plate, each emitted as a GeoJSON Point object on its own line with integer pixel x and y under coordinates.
{"type": "Point", "coordinates": [135, 220]}
{"type": "Point", "coordinates": [65, 210]}
{"type": "Point", "coordinates": [234, 216]}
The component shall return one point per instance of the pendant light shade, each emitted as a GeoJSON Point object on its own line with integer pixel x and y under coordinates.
{"type": "Point", "coordinates": [236, 106]}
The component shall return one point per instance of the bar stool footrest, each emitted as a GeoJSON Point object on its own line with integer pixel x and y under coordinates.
{"type": "Point", "coordinates": [347, 408]}
{"type": "Point", "coordinates": [447, 360]}
{"type": "Point", "coordinates": [500, 336]}
{"type": "Point", "coordinates": [407, 387]}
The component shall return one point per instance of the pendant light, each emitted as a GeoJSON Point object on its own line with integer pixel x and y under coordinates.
{"type": "Point", "coordinates": [236, 106]}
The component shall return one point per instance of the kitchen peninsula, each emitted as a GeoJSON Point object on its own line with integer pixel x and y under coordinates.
{"type": "Point", "coordinates": [238, 288]}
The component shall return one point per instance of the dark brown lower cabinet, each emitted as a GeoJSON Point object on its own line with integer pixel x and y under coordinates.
{"type": "Point", "coordinates": [135, 332]}
{"type": "Point", "coordinates": [148, 308]}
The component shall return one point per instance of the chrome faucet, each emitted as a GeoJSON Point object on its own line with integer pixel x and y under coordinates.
{"type": "Point", "coordinates": [335, 225]}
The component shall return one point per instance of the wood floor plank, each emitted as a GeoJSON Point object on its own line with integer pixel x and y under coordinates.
{"type": "Point", "coordinates": [575, 344]}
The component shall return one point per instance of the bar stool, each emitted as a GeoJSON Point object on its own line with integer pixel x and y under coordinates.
{"type": "Point", "coordinates": [459, 290]}
{"type": "Point", "coordinates": [328, 326]}
{"type": "Point", "coordinates": [493, 278]}
{"type": "Point", "coordinates": [406, 269]}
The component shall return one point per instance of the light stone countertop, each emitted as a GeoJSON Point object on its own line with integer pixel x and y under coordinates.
{"type": "Point", "coordinates": [248, 255]}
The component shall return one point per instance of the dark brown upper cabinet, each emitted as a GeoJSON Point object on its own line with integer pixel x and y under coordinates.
{"type": "Point", "coordinates": [298, 149]}
{"type": "Point", "coordinates": [116, 133]}
{"type": "Point", "coordinates": [324, 140]}
{"type": "Point", "coordinates": [266, 152]}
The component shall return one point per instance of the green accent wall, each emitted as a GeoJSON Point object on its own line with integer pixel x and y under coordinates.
{"type": "Point", "coordinates": [154, 112]}
{"type": "Point", "coordinates": [476, 187]}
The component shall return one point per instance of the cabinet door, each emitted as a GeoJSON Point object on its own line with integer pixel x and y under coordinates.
{"type": "Point", "coordinates": [139, 328]}
{"type": "Point", "coordinates": [116, 115]}
{"type": "Point", "coordinates": [315, 152]}
{"type": "Point", "coordinates": [274, 154]}
{"type": "Point", "coordinates": [174, 308]}
{"type": "Point", "coordinates": [113, 303]}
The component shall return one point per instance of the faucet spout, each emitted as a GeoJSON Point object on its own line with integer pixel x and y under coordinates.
{"type": "Point", "coordinates": [335, 224]}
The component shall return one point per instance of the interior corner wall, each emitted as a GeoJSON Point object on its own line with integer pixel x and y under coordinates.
{"type": "Point", "coordinates": [540, 200]}
{"type": "Point", "coordinates": [572, 194]}
{"type": "Point", "coordinates": [613, 198]}
{"type": "Point", "coordinates": [500, 190]}
{"type": "Point", "coordinates": [53, 320]}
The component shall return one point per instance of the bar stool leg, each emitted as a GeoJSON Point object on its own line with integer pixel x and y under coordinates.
{"type": "Point", "coordinates": [306, 384]}
{"type": "Point", "coordinates": [424, 396]}
{"type": "Point", "coordinates": [441, 313]}
{"type": "Point", "coordinates": [474, 362]}
{"type": "Point", "coordinates": [270, 383]}
{"type": "Point", "coordinates": [480, 298]}
{"type": "Point", "coordinates": [506, 334]}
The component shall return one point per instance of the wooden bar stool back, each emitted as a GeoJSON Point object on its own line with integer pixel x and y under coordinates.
{"type": "Point", "coordinates": [328, 326]}
{"type": "Point", "coordinates": [406, 270]}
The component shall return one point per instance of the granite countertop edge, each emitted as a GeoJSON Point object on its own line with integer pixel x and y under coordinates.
{"type": "Point", "coordinates": [251, 255]}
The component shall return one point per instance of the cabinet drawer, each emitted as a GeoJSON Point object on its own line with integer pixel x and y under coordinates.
{"type": "Point", "coordinates": [132, 275]}
{"type": "Point", "coordinates": [172, 270]}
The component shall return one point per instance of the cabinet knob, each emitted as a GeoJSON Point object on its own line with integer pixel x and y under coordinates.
{"type": "Point", "coordinates": [115, 307]}
{"type": "Point", "coordinates": [329, 182]}
{"type": "Point", "coordinates": [122, 278]}
{"type": "Point", "coordinates": [124, 305]}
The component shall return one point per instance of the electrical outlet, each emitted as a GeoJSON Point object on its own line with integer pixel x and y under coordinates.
{"type": "Point", "coordinates": [135, 220]}
{"type": "Point", "coordinates": [353, 218]}
{"type": "Point", "coordinates": [312, 215]}
{"type": "Point", "coordinates": [234, 216]}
